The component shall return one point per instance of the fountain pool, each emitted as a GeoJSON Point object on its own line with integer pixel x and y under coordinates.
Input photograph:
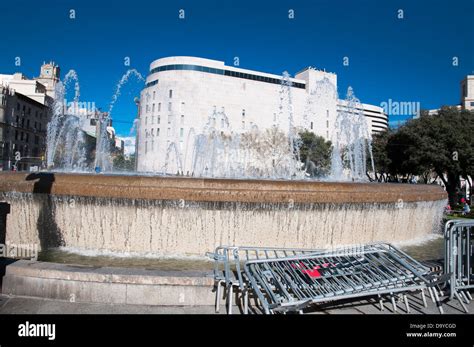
{"type": "Point", "coordinates": [178, 216]}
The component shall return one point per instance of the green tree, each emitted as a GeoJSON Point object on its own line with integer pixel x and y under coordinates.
{"type": "Point", "coordinates": [124, 163]}
{"type": "Point", "coordinates": [440, 143]}
{"type": "Point", "coordinates": [380, 154]}
{"type": "Point", "coordinates": [315, 153]}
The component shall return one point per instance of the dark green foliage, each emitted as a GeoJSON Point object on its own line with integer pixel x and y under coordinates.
{"type": "Point", "coordinates": [315, 153]}
{"type": "Point", "coordinates": [442, 144]}
{"type": "Point", "coordinates": [123, 163]}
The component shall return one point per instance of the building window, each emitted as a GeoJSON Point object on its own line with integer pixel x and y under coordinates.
{"type": "Point", "coordinates": [220, 72]}
{"type": "Point", "coordinates": [182, 119]}
{"type": "Point", "coordinates": [159, 106]}
{"type": "Point", "coordinates": [311, 126]}
{"type": "Point", "coordinates": [158, 120]}
{"type": "Point", "coordinates": [152, 133]}
{"type": "Point", "coordinates": [182, 107]}
{"type": "Point", "coordinates": [146, 120]}
{"type": "Point", "coordinates": [243, 113]}
{"type": "Point", "coordinates": [169, 106]}
{"type": "Point", "coordinates": [243, 124]}
{"type": "Point", "coordinates": [327, 113]}
{"type": "Point", "coordinates": [327, 124]}
{"type": "Point", "coordinates": [147, 108]}
{"type": "Point", "coordinates": [153, 108]}
{"type": "Point", "coordinates": [154, 95]}
{"type": "Point", "coordinates": [170, 118]}
{"type": "Point", "coordinates": [181, 132]}
{"type": "Point", "coordinates": [152, 119]}
{"type": "Point", "coordinates": [169, 132]}
{"type": "Point", "coordinates": [157, 132]}
{"type": "Point", "coordinates": [171, 93]}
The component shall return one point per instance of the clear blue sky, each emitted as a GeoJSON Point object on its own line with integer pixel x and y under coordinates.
{"type": "Point", "coordinates": [405, 60]}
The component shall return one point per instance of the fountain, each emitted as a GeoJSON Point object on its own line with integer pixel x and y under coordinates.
{"type": "Point", "coordinates": [102, 153]}
{"type": "Point", "coordinates": [247, 187]}
{"type": "Point", "coordinates": [65, 139]}
{"type": "Point", "coordinates": [218, 151]}
{"type": "Point", "coordinates": [244, 188]}
{"type": "Point", "coordinates": [352, 137]}
{"type": "Point", "coordinates": [67, 147]}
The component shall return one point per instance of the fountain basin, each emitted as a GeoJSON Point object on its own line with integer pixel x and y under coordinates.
{"type": "Point", "coordinates": [178, 216]}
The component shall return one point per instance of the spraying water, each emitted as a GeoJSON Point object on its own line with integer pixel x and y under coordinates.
{"type": "Point", "coordinates": [65, 140]}
{"type": "Point", "coordinates": [218, 150]}
{"type": "Point", "coordinates": [352, 142]}
{"type": "Point", "coordinates": [103, 148]}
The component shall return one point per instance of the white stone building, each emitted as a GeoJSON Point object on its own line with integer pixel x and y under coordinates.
{"type": "Point", "coordinates": [182, 93]}
{"type": "Point", "coordinates": [467, 93]}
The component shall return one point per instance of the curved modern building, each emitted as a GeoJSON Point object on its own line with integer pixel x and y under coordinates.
{"type": "Point", "coordinates": [183, 95]}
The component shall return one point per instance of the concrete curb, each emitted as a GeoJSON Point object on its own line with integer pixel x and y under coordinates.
{"type": "Point", "coordinates": [76, 283]}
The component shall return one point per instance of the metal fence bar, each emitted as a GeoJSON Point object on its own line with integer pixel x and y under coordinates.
{"type": "Point", "coordinates": [292, 283]}
{"type": "Point", "coordinates": [458, 251]}
{"type": "Point", "coordinates": [229, 274]}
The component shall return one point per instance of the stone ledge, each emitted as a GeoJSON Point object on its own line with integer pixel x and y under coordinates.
{"type": "Point", "coordinates": [108, 285]}
{"type": "Point", "coordinates": [216, 190]}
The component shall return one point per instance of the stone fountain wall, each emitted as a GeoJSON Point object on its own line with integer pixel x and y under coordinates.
{"type": "Point", "coordinates": [183, 216]}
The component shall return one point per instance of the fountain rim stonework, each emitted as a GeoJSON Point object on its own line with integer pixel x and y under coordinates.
{"type": "Point", "coordinates": [146, 287]}
{"type": "Point", "coordinates": [217, 189]}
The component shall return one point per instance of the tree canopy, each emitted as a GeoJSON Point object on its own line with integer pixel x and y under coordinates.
{"type": "Point", "coordinates": [315, 153]}
{"type": "Point", "coordinates": [441, 143]}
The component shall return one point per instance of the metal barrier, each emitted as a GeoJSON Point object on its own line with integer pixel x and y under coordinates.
{"type": "Point", "coordinates": [228, 262]}
{"type": "Point", "coordinates": [293, 283]}
{"type": "Point", "coordinates": [459, 259]}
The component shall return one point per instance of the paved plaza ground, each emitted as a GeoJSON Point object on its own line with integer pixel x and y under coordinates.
{"type": "Point", "coordinates": [24, 305]}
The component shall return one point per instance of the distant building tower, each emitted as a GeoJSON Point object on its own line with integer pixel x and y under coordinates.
{"type": "Point", "coordinates": [49, 76]}
{"type": "Point", "coordinates": [467, 93]}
